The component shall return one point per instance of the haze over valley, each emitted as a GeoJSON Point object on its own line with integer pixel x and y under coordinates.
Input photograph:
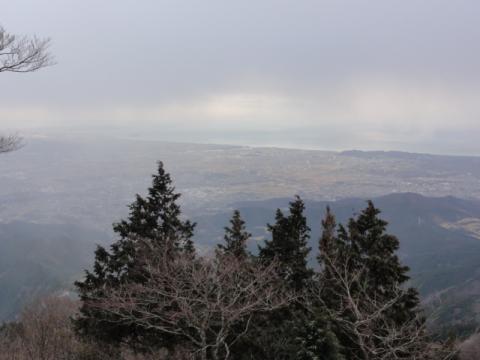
{"type": "Point", "coordinates": [60, 196]}
{"type": "Point", "coordinates": [90, 181]}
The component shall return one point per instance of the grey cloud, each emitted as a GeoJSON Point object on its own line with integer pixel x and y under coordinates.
{"type": "Point", "coordinates": [160, 63]}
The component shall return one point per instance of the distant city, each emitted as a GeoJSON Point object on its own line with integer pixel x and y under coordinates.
{"type": "Point", "coordinates": [92, 181]}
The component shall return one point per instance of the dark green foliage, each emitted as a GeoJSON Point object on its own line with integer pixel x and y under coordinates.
{"type": "Point", "coordinates": [154, 223]}
{"type": "Point", "coordinates": [236, 238]}
{"type": "Point", "coordinates": [318, 341]}
{"type": "Point", "coordinates": [376, 251]}
{"type": "Point", "coordinates": [364, 248]}
{"type": "Point", "coordinates": [274, 336]}
{"type": "Point", "coordinates": [288, 245]}
{"type": "Point", "coordinates": [156, 218]}
{"type": "Point", "coordinates": [330, 249]}
{"type": "Point", "coordinates": [327, 244]}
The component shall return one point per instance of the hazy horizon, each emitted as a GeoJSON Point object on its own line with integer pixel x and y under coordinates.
{"type": "Point", "coordinates": [242, 139]}
{"type": "Point", "coordinates": [366, 75]}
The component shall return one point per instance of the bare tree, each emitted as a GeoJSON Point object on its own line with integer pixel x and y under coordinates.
{"type": "Point", "coordinates": [23, 54]}
{"type": "Point", "coordinates": [203, 302]}
{"type": "Point", "coordinates": [365, 318]}
{"type": "Point", "coordinates": [44, 331]}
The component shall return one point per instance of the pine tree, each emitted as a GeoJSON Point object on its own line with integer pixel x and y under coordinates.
{"type": "Point", "coordinates": [327, 243]}
{"type": "Point", "coordinates": [158, 217]}
{"type": "Point", "coordinates": [235, 238]}
{"type": "Point", "coordinates": [154, 224]}
{"type": "Point", "coordinates": [365, 245]}
{"type": "Point", "coordinates": [367, 255]}
{"type": "Point", "coordinates": [275, 336]}
{"type": "Point", "coordinates": [288, 245]}
{"type": "Point", "coordinates": [376, 250]}
{"type": "Point", "coordinates": [330, 249]}
{"type": "Point", "coordinates": [315, 335]}
{"type": "Point", "coordinates": [318, 341]}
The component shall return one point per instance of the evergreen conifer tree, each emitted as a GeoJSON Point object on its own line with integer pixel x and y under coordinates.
{"type": "Point", "coordinates": [364, 250]}
{"type": "Point", "coordinates": [154, 221]}
{"type": "Point", "coordinates": [277, 335]}
{"type": "Point", "coordinates": [288, 244]}
{"type": "Point", "coordinates": [365, 244]}
{"type": "Point", "coordinates": [318, 340]}
{"type": "Point", "coordinates": [236, 237]}
{"type": "Point", "coordinates": [328, 244]}
{"type": "Point", "coordinates": [376, 250]}
{"type": "Point", "coordinates": [157, 217]}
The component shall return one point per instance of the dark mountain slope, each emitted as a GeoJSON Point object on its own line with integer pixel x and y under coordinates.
{"type": "Point", "coordinates": [36, 259]}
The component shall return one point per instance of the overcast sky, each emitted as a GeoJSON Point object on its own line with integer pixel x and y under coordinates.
{"type": "Point", "coordinates": [336, 74]}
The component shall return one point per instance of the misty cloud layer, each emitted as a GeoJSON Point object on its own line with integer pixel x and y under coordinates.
{"type": "Point", "coordinates": [326, 74]}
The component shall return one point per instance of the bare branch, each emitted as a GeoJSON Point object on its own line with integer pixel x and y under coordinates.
{"type": "Point", "coordinates": [203, 301]}
{"type": "Point", "coordinates": [23, 54]}
{"type": "Point", "coordinates": [365, 318]}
